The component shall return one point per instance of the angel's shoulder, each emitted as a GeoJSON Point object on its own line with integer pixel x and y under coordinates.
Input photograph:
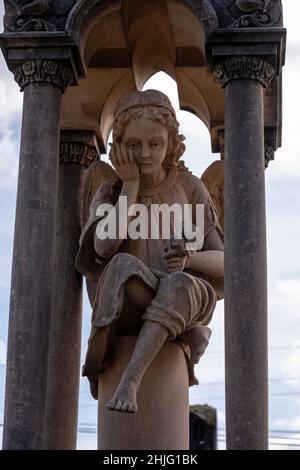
{"type": "Point", "coordinates": [194, 187]}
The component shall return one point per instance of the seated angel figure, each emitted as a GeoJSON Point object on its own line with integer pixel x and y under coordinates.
{"type": "Point", "coordinates": [147, 287]}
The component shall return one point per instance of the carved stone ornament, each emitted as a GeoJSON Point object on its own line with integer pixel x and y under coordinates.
{"type": "Point", "coordinates": [244, 67]}
{"type": "Point", "coordinates": [36, 15]}
{"type": "Point", "coordinates": [269, 154]}
{"type": "Point", "coordinates": [43, 71]}
{"type": "Point", "coordinates": [51, 15]}
{"type": "Point", "coordinates": [248, 13]}
{"type": "Point", "coordinates": [74, 152]}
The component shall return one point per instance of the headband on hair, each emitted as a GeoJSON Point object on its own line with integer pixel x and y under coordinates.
{"type": "Point", "coordinates": [136, 99]}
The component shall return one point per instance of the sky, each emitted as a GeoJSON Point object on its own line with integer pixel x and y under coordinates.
{"type": "Point", "coordinates": [283, 228]}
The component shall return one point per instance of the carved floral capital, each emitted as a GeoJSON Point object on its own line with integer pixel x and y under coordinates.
{"type": "Point", "coordinates": [75, 152]}
{"type": "Point", "coordinates": [250, 67]}
{"type": "Point", "coordinates": [43, 71]}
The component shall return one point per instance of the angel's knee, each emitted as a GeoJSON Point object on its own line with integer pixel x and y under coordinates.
{"type": "Point", "coordinates": [138, 293]}
{"type": "Point", "coordinates": [178, 282]}
{"type": "Point", "coordinates": [123, 261]}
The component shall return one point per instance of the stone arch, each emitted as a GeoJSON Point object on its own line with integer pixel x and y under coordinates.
{"type": "Point", "coordinates": [85, 9]}
{"type": "Point", "coordinates": [124, 42]}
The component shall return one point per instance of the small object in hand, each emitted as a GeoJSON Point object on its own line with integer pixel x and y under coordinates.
{"type": "Point", "coordinates": [177, 245]}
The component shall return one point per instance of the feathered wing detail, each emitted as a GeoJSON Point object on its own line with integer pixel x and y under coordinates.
{"type": "Point", "coordinates": [98, 173]}
{"type": "Point", "coordinates": [213, 178]}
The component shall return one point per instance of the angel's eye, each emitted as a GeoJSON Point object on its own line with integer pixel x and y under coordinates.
{"type": "Point", "coordinates": [156, 144]}
{"type": "Point", "coordinates": [132, 145]}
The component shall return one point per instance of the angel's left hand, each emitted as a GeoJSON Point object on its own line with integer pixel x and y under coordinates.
{"type": "Point", "coordinates": [176, 261]}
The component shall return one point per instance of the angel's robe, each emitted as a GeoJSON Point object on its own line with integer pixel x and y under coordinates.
{"type": "Point", "coordinates": [107, 277]}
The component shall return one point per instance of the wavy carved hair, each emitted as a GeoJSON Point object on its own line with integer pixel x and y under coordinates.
{"type": "Point", "coordinates": [176, 147]}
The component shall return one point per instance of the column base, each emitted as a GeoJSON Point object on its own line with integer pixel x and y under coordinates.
{"type": "Point", "coordinates": [162, 419]}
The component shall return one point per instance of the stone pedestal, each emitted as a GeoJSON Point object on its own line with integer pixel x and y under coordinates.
{"type": "Point", "coordinates": [162, 419]}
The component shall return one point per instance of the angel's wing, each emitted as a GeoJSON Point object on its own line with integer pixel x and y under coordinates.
{"type": "Point", "coordinates": [213, 178]}
{"type": "Point", "coordinates": [98, 173]}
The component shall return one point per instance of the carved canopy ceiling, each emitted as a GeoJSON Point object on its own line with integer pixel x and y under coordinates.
{"type": "Point", "coordinates": [113, 38]}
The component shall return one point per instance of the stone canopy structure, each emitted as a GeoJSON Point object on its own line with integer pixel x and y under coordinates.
{"type": "Point", "coordinates": [74, 59]}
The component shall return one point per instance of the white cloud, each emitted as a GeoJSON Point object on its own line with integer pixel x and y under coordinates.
{"type": "Point", "coordinates": [9, 160]}
{"type": "Point", "coordinates": [290, 289]}
{"type": "Point", "coordinates": [2, 352]}
{"type": "Point", "coordinates": [291, 365]}
{"type": "Point", "coordinates": [292, 424]}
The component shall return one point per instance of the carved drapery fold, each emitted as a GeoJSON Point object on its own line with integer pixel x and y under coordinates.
{"type": "Point", "coordinates": [249, 67]}
{"type": "Point", "coordinates": [43, 71]}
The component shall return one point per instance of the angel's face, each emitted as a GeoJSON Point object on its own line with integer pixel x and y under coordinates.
{"type": "Point", "coordinates": [148, 141]}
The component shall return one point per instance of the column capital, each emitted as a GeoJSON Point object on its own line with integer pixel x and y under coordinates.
{"type": "Point", "coordinates": [49, 71]}
{"type": "Point", "coordinates": [256, 54]}
{"type": "Point", "coordinates": [237, 67]}
{"type": "Point", "coordinates": [42, 57]}
{"type": "Point", "coordinates": [78, 146]}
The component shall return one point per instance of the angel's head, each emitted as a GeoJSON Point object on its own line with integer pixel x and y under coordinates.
{"type": "Point", "coordinates": [146, 123]}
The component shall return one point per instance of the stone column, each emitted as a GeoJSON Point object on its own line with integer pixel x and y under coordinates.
{"type": "Point", "coordinates": [31, 287]}
{"type": "Point", "coordinates": [78, 149]}
{"type": "Point", "coordinates": [244, 78]}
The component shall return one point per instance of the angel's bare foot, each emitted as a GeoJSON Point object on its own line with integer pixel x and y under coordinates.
{"type": "Point", "coordinates": [125, 397]}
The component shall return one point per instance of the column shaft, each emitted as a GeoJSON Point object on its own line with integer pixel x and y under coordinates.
{"type": "Point", "coordinates": [65, 343]}
{"type": "Point", "coordinates": [78, 150]}
{"type": "Point", "coordinates": [32, 269]}
{"type": "Point", "coordinates": [245, 267]}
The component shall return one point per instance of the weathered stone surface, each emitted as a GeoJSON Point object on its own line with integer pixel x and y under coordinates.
{"type": "Point", "coordinates": [162, 422]}
{"type": "Point", "coordinates": [213, 178]}
{"type": "Point", "coordinates": [149, 288]}
{"type": "Point", "coordinates": [248, 13]}
{"type": "Point", "coordinates": [32, 270]}
{"type": "Point", "coordinates": [36, 15]}
{"type": "Point", "coordinates": [252, 54]}
{"type": "Point", "coordinates": [245, 260]}
{"type": "Point", "coordinates": [47, 71]}
{"type": "Point", "coordinates": [203, 427]}
{"type": "Point", "coordinates": [77, 150]}
{"type": "Point", "coordinates": [244, 67]}
{"type": "Point", "coordinates": [47, 15]}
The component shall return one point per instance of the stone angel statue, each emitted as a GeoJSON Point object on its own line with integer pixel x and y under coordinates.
{"type": "Point", "coordinates": [156, 289]}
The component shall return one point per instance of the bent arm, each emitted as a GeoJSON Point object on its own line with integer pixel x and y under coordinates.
{"type": "Point", "coordinates": [107, 247]}
{"type": "Point", "coordinates": [210, 261]}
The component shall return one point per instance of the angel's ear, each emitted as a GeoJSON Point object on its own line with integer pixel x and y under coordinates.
{"type": "Point", "coordinates": [213, 178]}
{"type": "Point", "coordinates": [98, 173]}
